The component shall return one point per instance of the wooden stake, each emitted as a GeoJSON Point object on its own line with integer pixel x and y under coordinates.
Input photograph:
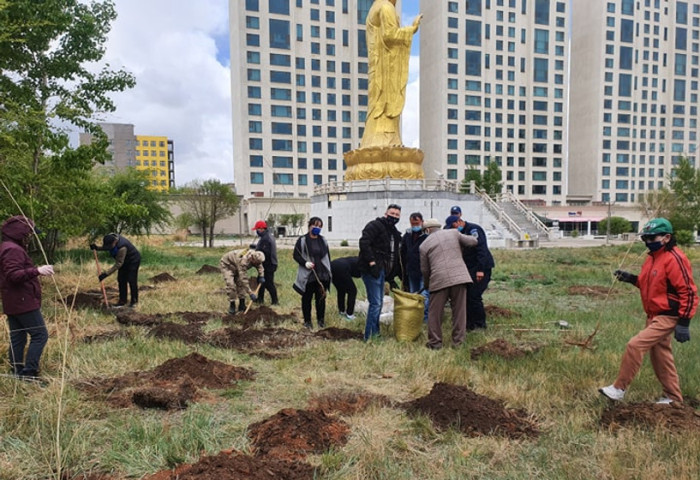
{"type": "Point", "coordinates": [102, 283]}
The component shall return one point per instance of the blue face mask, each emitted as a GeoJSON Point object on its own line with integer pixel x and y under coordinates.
{"type": "Point", "coordinates": [654, 246]}
{"type": "Point", "coordinates": [416, 228]}
{"type": "Point", "coordinates": [316, 230]}
{"type": "Point", "coordinates": [260, 232]}
{"type": "Point", "coordinates": [460, 228]}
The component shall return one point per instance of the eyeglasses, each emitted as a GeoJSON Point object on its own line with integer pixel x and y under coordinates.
{"type": "Point", "coordinates": [393, 205]}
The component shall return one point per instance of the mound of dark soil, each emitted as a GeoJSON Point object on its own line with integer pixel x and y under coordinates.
{"type": "Point", "coordinates": [455, 406]}
{"type": "Point", "coordinates": [292, 434]}
{"type": "Point", "coordinates": [503, 348]}
{"type": "Point", "coordinates": [253, 340]}
{"type": "Point", "coordinates": [590, 290]}
{"type": "Point", "coordinates": [162, 278]}
{"type": "Point", "coordinates": [494, 311]}
{"type": "Point", "coordinates": [676, 417]}
{"type": "Point", "coordinates": [334, 333]}
{"type": "Point", "coordinates": [171, 385]}
{"type": "Point", "coordinates": [236, 466]}
{"type": "Point", "coordinates": [347, 403]}
{"type": "Point", "coordinates": [208, 269]}
{"type": "Point", "coordinates": [262, 315]}
{"type": "Point", "coordinates": [175, 331]}
{"type": "Point", "coordinates": [88, 300]}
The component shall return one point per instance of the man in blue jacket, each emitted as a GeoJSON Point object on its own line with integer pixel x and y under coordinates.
{"type": "Point", "coordinates": [479, 262]}
{"type": "Point", "coordinates": [127, 260]}
{"type": "Point", "coordinates": [411, 277]}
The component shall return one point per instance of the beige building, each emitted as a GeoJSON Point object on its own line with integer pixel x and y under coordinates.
{"type": "Point", "coordinates": [634, 96]}
{"type": "Point", "coordinates": [493, 88]}
{"type": "Point", "coordinates": [299, 93]}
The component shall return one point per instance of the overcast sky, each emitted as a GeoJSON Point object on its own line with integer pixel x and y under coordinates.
{"type": "Point", "coordinates": [179, 53]}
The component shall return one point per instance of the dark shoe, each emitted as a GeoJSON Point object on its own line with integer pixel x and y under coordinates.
{"type": "Point", "coordinates": [275, 303]}
{"type": "Point", "coordinates": [119, 305]}
{"type": "Point", "coordinates": [232, 308]}
{"type": "Point", "coordinates": [241, 305]}
{"type": "Point", "coordinates": [308, 325]}
{"type": "Point", "coordinates": [321, 324]}
{"type": "Point", "coordinates": [433, 347]}
{"type": "Point", "coordinates": [133, 304]}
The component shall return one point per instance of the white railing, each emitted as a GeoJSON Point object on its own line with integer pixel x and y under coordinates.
{"type": "Point", "coordinates": [438, 185]}
{"type": "Point", "coordinates": [534, 219]}
{"type": "Point", "coordinates": [500, 214]}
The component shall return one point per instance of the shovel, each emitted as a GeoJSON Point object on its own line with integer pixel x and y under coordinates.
{"type": "Point", "coordinates": [251, 302]}
{"type": "Point", "coordinates": [102, 283]}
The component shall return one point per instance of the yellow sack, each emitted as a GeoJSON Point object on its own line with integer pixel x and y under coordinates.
{"type": "Point", "coordinates": [408, 315]}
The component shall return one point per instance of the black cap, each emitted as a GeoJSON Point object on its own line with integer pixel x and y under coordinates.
{"type": "Point", "coordinates": [108, 240]}
{"type": "Point", "coordinates": [455, 210]}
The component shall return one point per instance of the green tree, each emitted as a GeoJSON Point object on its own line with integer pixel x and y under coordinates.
{"type": "Point", "coordinates": [685, 185]}
{"type": "Point", "coordinates": [618, 225]}
{"type": "Point", "coordinates": [208, 202]}
{"type": "Point", "coordinates": [471, 175]}
{"type": "Point", "coordinates": [49, 85]}
{"type": "Point", "coordinates": [489, 180]}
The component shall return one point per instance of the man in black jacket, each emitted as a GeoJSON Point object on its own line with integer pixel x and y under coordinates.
{"type": "Point", "coordinates": [342, 272]}
{"type": "Point", "coordinates": [379, 255]}
{"type": "Point", "coordinates": [479, 262]}
{"type": "Point", "coordinates": [127, 261]}
{"type": "Point", "coordinates": [267, 245]}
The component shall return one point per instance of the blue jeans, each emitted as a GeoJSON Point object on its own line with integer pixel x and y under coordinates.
{"type": "Point", "coordinates": [22, 325]}
{"type": "Point", "coordinates": [415, 285]}
{"type": "Point", "coordinates": [375, 296]}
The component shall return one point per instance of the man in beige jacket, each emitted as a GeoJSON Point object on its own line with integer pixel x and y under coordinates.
{"type": "Point", "coordinates": [234, 266]}
{"type": "Point", "coordinates": [445, 277]}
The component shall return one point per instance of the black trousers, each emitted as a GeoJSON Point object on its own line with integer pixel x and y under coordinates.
{"type": "Point", "coordinates": [269, 285]}
{"type": "Point", "coordinates": [23, 325]}
{"type": "Point", "coordinates": [129, 275]}
{"type": "Point", "coordinates": [313, 291]}
{"type": "Point", "coordinates": [346, 288]}
{"type": "Point", "coordinates": [476, 315]}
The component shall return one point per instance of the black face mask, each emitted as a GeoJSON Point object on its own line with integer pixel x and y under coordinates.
{"type": "Point", "coordinates": [392, 220]}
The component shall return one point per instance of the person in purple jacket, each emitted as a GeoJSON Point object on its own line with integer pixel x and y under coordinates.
{"type": "Point", "coordinates": [21, 296]}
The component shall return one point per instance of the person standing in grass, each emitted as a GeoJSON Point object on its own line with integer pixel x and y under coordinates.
{"type": "Point", "coordinates": [266, 244]}
{"type": "Point", "coordinates": [234, 266]}
{"type": "Point", "coordinates": [411, 277]}
{"type": "Point", "coordinates": [127, 261]}
{"type": "Point", "coordinates": [379, 258]}
{"type": "Point", "coordinates": [21, 296]}
{"type": "Point", "coordinates": [314, 272]}
{"type": "Point", "coordinates": [342, 272]}
{"type": "Point", "coordinates": [670, 299]}
{"type": "Point", "coordinates": [445, 276]}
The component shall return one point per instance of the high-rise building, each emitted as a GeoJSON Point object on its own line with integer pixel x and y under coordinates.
{"type": "Point", "coordinates": [153, 154]}
{"type": "Point", "coordinates": [493, 88]}
{"type": "Point", "coordinates": [634, 96]}
{"type": "Point", "coordinates": [299, 92]}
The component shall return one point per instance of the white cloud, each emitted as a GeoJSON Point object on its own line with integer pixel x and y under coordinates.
{"type": "Point", "coordinates": [182, 91]}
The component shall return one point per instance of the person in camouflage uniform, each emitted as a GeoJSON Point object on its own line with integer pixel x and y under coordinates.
{"type": "Point", "coordinates": [234, 266]}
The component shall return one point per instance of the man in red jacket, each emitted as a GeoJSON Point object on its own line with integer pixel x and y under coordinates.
{"type": "Point", "coordinates": [670, 299]}
{"type": "Point", "coordinates": [21, 296]}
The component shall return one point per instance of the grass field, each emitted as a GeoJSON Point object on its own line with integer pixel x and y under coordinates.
{"type": "Point", "coordinates": [44, 431]}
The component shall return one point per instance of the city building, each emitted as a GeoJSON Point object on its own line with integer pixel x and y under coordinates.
{"type": "Point", "coordinates": [634, 96]}
{"type": "Point", "coordinates": [153, 154]}
{"type": "Point", "coordinates": [299, 93]}
{"type": "Point", "coordinates": [494, 84]}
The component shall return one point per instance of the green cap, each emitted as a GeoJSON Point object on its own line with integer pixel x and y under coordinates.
{"type": "Point", "coordinates": [657, 226]}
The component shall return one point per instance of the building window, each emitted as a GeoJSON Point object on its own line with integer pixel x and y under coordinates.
{"type": "Point", "coordinates": [257, 178]}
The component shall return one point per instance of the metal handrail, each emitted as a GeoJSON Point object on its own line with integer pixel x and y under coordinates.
{"type": "Point", "coordinates": [528, 212]}
{"type": "Point", "coordinates": [500, 214]}
{"type": "Point", "coordinates": [435, 185]}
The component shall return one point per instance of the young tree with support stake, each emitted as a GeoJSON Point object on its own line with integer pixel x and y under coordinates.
{"type": "Point", "coordinates": [206, 202]}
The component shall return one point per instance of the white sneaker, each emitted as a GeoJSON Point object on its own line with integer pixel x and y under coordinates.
{"type": "Point", "coordinates": [612, 392]}
{"type": "Point", "coordinates": [664, 401]}
{"type": "Point", "coordinates": [349, 317]}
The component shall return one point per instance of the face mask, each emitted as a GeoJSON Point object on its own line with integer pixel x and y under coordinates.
{"type": "Point", "coordinates": [654, 246]}
{"type": "Point", "coordinates": [392, 220]}
{"type": "Point", "coordinates": [460, 228]}
{"type": "Point", "coordinates": [316, 230]}
{"type": "Point", "coordinates": [416, 228]}
{"type": "Point", "coordinates": [260, 232]}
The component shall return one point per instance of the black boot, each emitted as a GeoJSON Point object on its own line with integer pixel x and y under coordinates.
{"type": "Point", "coordinates": [232, 307]}
{"type": "Point", "coordinates": [241, 305]}
{"type": "Point", "coordinates": [321, 323]}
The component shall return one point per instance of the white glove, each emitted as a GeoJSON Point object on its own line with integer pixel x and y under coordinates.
{"type": "Point", "coordinates": [309, 265]}
{"type": "Point", "coordinates": [45, 270]}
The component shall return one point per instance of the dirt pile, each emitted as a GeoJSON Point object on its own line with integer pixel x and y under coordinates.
{"type": "Point", "coordinates": [189, 334]}
{"type": "Point", "coordinates": [132, 317]}
{"type": "Point", "coordinates": [676, 417]}
{"type": "Point", "coordinates": [88, 300]}
{"type": "Point", "coordinates": [172, 385]}
{"type": "Point", "coordinates": [259, 315]}
{"type": "Point", "coordinates": [455, 406]}
{"type": "Point", "coordinates": [503, 348]}
{"type": "Point", "coordinates": [254, 341]}
{"type": "Point", "coordinates": [347, 403]}
{"type": "Point", "coordinates": [162, 278]}
{"type": "Point", "coordinates": [208, 269]}
{"type": "Point", "coordinates": [292, 434]}
{"type": "Point", "coordinates": [236, 466]}
{"type": "Point", "coordinates": [340, 334]}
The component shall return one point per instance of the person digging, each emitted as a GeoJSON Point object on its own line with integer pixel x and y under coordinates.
{"type": "Point", "coordinates": [234, 266]}
{"type": "Point", "coordinates": [670, 299]}
{"type": "Point", "coordinates": [127, 261]}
